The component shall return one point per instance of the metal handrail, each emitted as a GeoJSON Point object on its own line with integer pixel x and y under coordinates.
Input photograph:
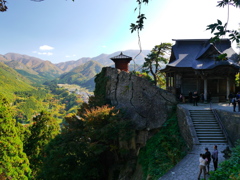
{"type": "Point", "coordinates": [222, 127]}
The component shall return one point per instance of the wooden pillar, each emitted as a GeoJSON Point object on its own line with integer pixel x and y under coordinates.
{"type": "Point", "coordinates": [205, 90]}
{"type": "Point", "coordinates": [228, 88]}
{"type": "Point", "coordinates": [167, 81]}
{"type": "Point", "coordinates": [218, 86]}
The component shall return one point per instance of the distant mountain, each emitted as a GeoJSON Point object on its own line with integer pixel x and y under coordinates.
{"type": "Point", "coordinates": [82, 75]}
{"type": "Point", "coordinates": [69, 65]}
{"type": "Point", "coordinates": [37, 70]}
{"type": "Point", "coordinates": [79, 71]}
{"type": "Point", "coordinates": [104, 59]}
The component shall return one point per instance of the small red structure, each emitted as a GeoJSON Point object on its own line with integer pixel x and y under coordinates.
{"type": "Point", "coordinates": [121, 61]}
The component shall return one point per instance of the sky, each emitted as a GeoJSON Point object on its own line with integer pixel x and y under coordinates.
{"type": "Point", "coordinates": [62, 30]}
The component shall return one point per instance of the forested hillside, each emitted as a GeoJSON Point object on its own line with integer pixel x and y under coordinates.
{"type": "Point", "coordinates": [11, 81]}
{"type": "Point", "coordinates": [82, 75]}
{"type": "Point", "coordinates": [28, 100]}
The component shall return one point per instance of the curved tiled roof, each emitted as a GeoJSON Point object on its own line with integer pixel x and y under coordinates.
{"type": "Point", "coordinates": [199, 54]}
{"type": "Point", "coordinates": [121, 56]}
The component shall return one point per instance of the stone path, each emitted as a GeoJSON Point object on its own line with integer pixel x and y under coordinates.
{"type": "Point", "coordinates": [188, 167]}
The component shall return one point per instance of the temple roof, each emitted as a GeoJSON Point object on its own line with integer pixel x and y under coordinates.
{"type": "Point", "coordinates": [121, 56]}
{"type": "Point", "coordinates": [201, 54]}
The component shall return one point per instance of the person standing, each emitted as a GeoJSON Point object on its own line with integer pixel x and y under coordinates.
{"type": "Point", "coordinates": [190, 96]}
{"type": "Point", "coordinates": [215, 157]}
{"type": "Point", "coordinates": [230, 97]}
{"type": "Point", "coordinates": [208, 156]}
{"type": "Point", "coordinates": [195, 98]}
{"type": "Point", "coordinates": [202, 97]}
{"type": "Point", "coordinates": [202, 166]}
{"type": "Point", "coordinates": [234, 103]}
{"type": "Point", "coordinates": [238, 100]}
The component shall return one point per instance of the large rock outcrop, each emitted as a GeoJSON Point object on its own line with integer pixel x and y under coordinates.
{"type": "Point", "coordinates": [145, 104]}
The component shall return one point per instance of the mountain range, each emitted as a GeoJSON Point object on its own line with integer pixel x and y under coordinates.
{"type": "Point", "coordinates": [81, 71]}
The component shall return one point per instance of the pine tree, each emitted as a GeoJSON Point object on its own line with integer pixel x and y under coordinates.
{"type": "Point", "coordinates": [43, 130]}
{"type": "Point", "coordinates": [14, 163]}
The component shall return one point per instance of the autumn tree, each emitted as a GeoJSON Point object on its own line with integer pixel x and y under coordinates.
{"type": "Point", "coordinates": [43, 129]}
{"type": "Point", "coordinates": [88, 144]}
{"type": "Point", "coordinates": [154, 61]}
{"type": "Point", "coordinates": [14, 163]}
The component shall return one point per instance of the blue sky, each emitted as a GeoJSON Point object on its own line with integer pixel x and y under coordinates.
{"type": "Point", "coordinates": [62, 30]}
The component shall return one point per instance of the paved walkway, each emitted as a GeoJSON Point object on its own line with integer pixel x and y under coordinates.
{"type": "Point", "coordinates": [188, 168]}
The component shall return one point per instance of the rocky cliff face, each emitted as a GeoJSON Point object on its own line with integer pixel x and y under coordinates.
{"type": "Point", "coordinates": [145, 104]}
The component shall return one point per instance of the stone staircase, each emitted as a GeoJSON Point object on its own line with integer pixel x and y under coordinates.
{"type": "Point", "coordinates": [207, 128]}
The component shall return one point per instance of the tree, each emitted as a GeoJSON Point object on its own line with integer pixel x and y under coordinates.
{"type": "Point", "coordinates": [88, 145]}
{"type": "Point", "coordinates": [43, 130]}
{"type": "Point", "coordinates": [219, 29]}
{"type": "Point", "coordinates": [14, 163]}
{"type": "Point", "coordinates": [3, 6]}
{"type": "Point", "coordinates": [154, 60]}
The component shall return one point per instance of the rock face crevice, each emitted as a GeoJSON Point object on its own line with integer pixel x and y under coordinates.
{"type": "Point", "coordinates": [145, 104]}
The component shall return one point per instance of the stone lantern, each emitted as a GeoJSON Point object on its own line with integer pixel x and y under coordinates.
{"type": "Point", "coordinates": [121, 61]}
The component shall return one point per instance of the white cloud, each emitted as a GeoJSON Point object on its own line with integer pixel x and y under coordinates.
{"type": "Point", "coordinates": [104, 46]}
{"type": "Point", "coordinates": [46, 48]}
{"type": "Point", "coordinates": [43, 53]}
{"type": "Point", "coordinates": [70, 56]}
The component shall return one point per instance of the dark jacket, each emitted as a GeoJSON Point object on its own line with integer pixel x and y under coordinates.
{"type": "Point", "coordinates": [208, 155]}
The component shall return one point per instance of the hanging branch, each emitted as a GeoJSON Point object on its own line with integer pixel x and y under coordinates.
{"type": "Point", "coordinates": [138, 26]}
{"type": "Point", "coordinates": [218, 29]}
{"type": "Point", "coordinates": [3, 6]}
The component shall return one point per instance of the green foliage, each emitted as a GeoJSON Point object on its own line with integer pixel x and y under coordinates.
{"type": "Point", "coordinates": [221, 57]}
{"type": "Point", "coordinates": [35, 79]}
{"type": "Point", "coordinates": [229, 169]}
{"type": "Point", "coordinates": [14, 163]}
{"type": "Point", "coordinates": [144, 75]}
{"type": "Point", "coordinates": [138, 26]}
{"type": "Point", "coordinates": [100, 90]}
{"type": "Point", "coordinates": [11, 81]}
{"type": "Point", "coordinates": [218, 29]}
{"type": "Point", "coordinates": [43, 130]}
{"type": "Point", "coordinates": [154, 60]}
{"type": "Point", "coordinates": [87, 146]}
{"type": "Point", "coordinates": [163, 151]}
{"type": "Point", "coordinates": [28, 103]}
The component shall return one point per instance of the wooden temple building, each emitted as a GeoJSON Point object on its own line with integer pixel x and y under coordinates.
{"type": "Point", "coordinates": [195, 66]}
{"type": "Point", "coordinates": [121, 61]}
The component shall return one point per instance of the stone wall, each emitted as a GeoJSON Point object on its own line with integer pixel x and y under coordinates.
{"type": "Point", "coordinates": [145, 104]}
{"type": "Point", "coordinates": [186, 127]}
{"type": "Point", "coordinates": [231, 122]}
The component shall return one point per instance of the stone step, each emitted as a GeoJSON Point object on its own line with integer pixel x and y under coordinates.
{"type": "Point", "coordinates": [205, 113]}
{"type": "Point", "coordinates": [198, 127]}
{"type": "Point", "coordinates": [208, 131]}
{"type": "Point", "coordinates": [200, 110]}
{"type": "Point", "coordinates": [202, 115]}
{"type": "Point", "coordinates": [211, 138]}
{"type": "Point", "coordinates": [210, 134]}
{"type": "Point", "coordinates": [205, 122]}
{"type": "Point", "coordinates": [206, 126]}
{"type": "Point", "coordinates": [213, 141]}
{"type": "Point", "coordinates": [204, 119]}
